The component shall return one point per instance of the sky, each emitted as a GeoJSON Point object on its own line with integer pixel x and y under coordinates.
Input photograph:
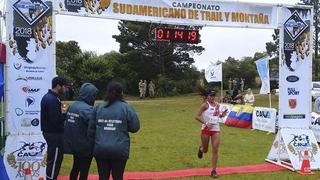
{"type": "Point", "coordinates": [219, 43]}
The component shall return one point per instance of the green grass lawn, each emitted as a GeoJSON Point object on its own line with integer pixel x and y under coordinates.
{"type": "Point", "coordinates": [170, 136]}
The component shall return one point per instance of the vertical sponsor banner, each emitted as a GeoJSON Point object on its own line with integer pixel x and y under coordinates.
{"type": "Point", "coordinates": [23, 152]}
{"type": "Point", "coordinates": [214, 73]}
{"type": "Point", "coordinates": [296, 142]}
{"type": "Point", "coordinates": [2, 21]}
{"type": "Point", "coordinates": [30, 62]}
{"type": "Point", "coordinates": [29, 69]}
{"type": "Point", "coordinates": [192, 12]}
{"type": "Point", "coordinates": [263, 70]}
{"type": "Point", "coordinates": [264, 119]}
{"type": "Point", "coordinates": [295, 67]}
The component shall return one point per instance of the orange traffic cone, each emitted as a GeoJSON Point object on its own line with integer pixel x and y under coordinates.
{"type": "Point", "coordinates": [27, 174]}
{"type": "Point", "coordinates": [305, 166]}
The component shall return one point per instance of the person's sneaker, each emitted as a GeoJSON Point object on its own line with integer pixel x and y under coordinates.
{"type": "Point", "coordinates": [214, 174]}
{"type": "Point", "coordinates": [200, 153]}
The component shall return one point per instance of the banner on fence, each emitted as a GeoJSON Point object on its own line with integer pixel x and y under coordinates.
{"type": "Point", "coordinates": [264, 119]}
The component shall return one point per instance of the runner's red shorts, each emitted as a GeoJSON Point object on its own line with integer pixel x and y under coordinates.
{"type": "Point", "coordinates": [208, 132]}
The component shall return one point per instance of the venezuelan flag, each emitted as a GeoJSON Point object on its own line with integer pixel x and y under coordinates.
{"type": "Point", "coordinates": [240, 116]}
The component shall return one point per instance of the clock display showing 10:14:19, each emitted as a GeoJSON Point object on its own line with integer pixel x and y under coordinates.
{"type": "Point", "coordinates": [177, 35]}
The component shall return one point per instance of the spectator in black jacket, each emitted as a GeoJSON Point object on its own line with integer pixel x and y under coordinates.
{"type": "Point", "coordinates": [52, 122]}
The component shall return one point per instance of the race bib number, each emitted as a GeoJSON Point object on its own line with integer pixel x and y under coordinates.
{"type": "Point", "coordinates": [214, 120]}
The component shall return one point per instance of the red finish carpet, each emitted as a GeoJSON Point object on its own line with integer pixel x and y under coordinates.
{"type": "Point", "coordinates": [193, 172]}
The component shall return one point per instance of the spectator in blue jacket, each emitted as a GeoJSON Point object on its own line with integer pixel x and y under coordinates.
{"type": "Point", "coordinates": [52, 124]}
{"type": "Point", "coordinates": [113, 122]}
{"type": "Point", "coordinates": [76, 140]}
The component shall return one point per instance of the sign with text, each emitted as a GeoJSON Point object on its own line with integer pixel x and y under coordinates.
{"type": "Point", "coordinates": [30, 63]}
{"type": "Point", "coordinates": [23, 152]}
{"type": "Point", "coordinates": [296, 142]}
{"type": "Point", "coordinates": [264, 119]}
{"type": "Point", "coordinates": [191, 12]}
{"type": "Point", "coordinates": [295, 68]}
{"type": "Point", "coordinates": [315, 125]}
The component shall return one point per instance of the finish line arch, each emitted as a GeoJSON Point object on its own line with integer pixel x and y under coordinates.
{"type": "Point", "coordinates": [30, 42]}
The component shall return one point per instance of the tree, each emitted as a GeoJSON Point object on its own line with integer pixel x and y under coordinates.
{"type": "Point", "coordinates": [69, 59]}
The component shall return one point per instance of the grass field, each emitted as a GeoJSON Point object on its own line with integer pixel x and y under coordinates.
{"type": "Point", "coordinates": [170, 136]}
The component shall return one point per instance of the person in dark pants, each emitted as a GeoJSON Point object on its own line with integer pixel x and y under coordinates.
{"type": "Point", "coordinates": [52, 122]}
{"type": "Point", "coordinates": [76, 139]}
{"type": "Point", "coordinates": [114, 119]}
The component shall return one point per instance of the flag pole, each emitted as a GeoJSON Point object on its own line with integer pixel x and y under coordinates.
{"type": "Point", "coordinates": [270, 99]}
{"type": "Point", "coordinates": [269, 83]}
{"type": "Point", "coordinates": [221, 85]}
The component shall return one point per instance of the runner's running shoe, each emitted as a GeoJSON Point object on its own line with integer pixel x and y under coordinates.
{"type": "Point", "coordinates": [200, 153]}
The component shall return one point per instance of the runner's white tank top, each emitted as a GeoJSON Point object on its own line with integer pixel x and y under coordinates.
{"type": "Point", "coordinates": [212, 112]}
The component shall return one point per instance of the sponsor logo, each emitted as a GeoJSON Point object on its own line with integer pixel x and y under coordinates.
{"type": "Point", "coordinates": [292, 78]}
{"type": "Point", "coordinates": [315, 121]}
{"type": "Point", "coordinates": [29, 101]}
{"type": "Point", "coordinates": [29, 78]}
{"type": "Point", "coordinates": [78, 3]}
{"type": "Point", "coordinates": [90, 6]}
{"type": "Point", "coordinates": [25, 122]}
{"type": "Point", "coordinates": [299, 144]}
{"type": "Point", "coordinates": [294, 116]}
{"type": "Point", "coordinates": [264, 114]}
{"type": "Point", "coordinates": [32, 112]}
{"type": "Point", "coordinates": [35, 122]}
{"type": "Point", "coordinates": [28, 122]}
{"type": "Point", "coordinates": [300, 141]}
{"type": "Point", "coordinates": [21, 78]}
{"type": "Point", "coordinates": [27, 89]}
{"type": "Point", "coordinates": [19, 112]}
{"type": "Point", "coordinates": [292, 103]}
{"type": "Point", "coordinates": [17, 66]}
{"type": "Point", "coordinates": [294, 26]}
{"type": "Point", "coordinates": [30, 10]}
{"type": "Point", "coordinates": [293, 92]}
{"type": "Point", "coordinates": [29, 155]}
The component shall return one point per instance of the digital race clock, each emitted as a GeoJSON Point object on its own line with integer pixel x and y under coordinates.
{"type": "Point", "coordinates": [177, 35]}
